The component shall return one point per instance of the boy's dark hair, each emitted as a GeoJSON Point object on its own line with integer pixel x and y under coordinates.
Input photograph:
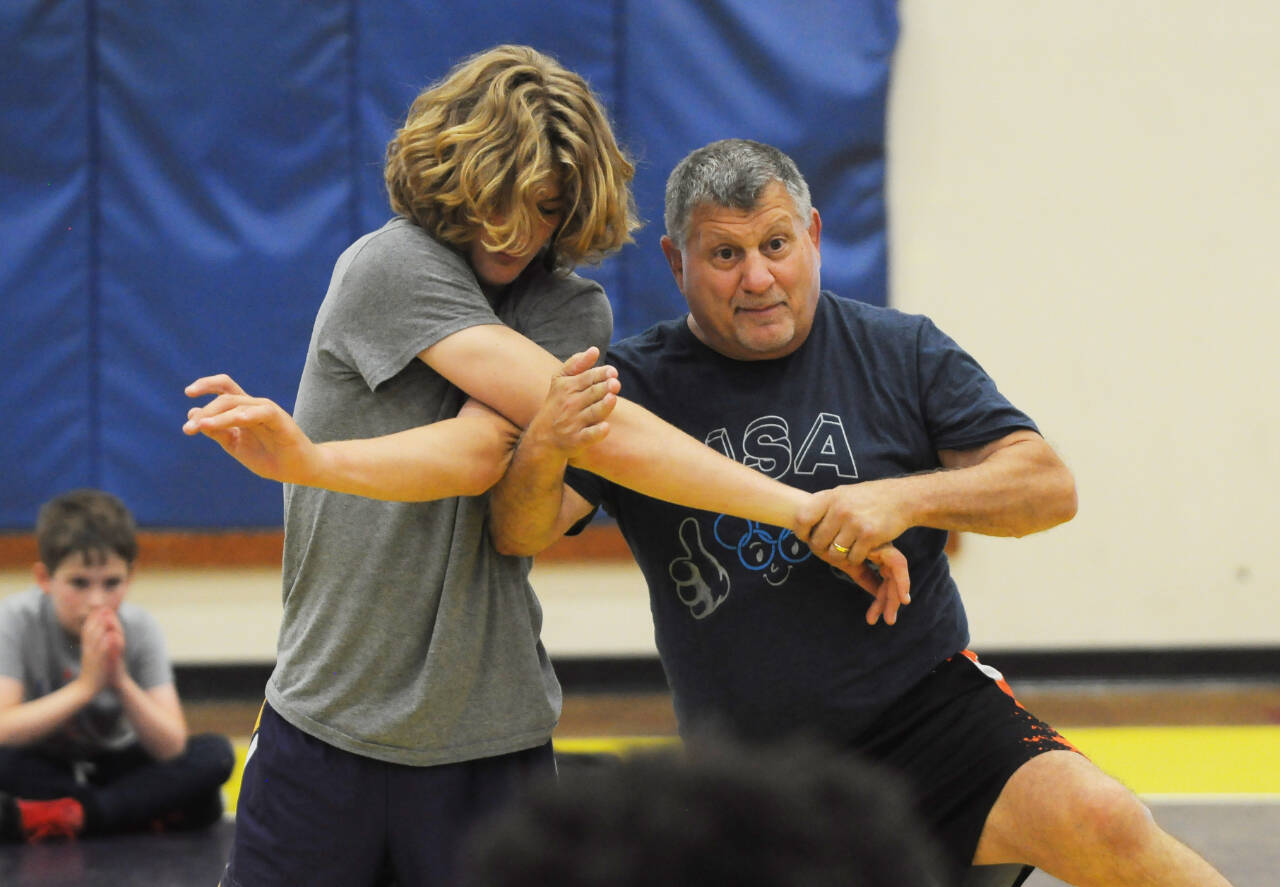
{"type": "Point", "coordinates": [86, 522]}
{"type": "Point", "coordinates": [795, 814]}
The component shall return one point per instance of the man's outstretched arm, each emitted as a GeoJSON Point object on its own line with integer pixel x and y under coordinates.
{"type": "Point", "coordinates": [1012, 486]}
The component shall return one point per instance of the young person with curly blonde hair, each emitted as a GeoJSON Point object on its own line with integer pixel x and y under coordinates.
{"type": "Point", "coordinates": [411, 692]}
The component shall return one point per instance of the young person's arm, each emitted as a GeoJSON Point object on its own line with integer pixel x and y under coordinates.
{"type": "Point", "coordinates": [22, 723]}
{"type": "Point", "coordinates": [155, 713]}
{"type": "Point", "coordinates": [641, 452]}
{"type": "Point", "coordinates": [156, 716]}
{"type": "Point", "coordinates": [463, 456]}
{"type": "Point", "coordinates": [502, 368]}
{"type": "Point", "coordinates": [532, 506]}
{"type": "Point", "coordinates": [25, 722]}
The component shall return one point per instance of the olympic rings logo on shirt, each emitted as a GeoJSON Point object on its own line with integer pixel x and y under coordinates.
{"type": "Point", "coordinates": [757, 547]}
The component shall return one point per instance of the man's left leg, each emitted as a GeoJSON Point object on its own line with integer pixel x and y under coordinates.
{"type": "Point", "coordinates": [1060, 813]}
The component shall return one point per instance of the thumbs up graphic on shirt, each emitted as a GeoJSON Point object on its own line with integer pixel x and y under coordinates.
{"type": "Point", "coordinates": [702, 583]}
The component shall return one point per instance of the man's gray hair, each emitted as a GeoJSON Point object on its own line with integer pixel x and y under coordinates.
{"type": "Point", "coordinates": [730, 173]}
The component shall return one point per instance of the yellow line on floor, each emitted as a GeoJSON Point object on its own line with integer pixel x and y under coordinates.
{"type": "Point", "coordinates": [1186, 760]}
{"type": "Point", "coordinates": [612, 745]}
{"type": "Point", "coordinates": [1150, 760]}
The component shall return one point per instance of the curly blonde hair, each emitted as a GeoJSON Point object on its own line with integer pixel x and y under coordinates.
{"type": "Point", "coordinates": [481, 148]}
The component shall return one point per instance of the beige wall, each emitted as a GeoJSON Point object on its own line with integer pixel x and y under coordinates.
{"type": "Point", "coordinates": [1087, 196]}
{"type": "Point", "coordinates": [220, 616]}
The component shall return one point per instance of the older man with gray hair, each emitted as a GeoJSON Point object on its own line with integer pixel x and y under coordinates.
{"type": "Point", "coordinates": [902, 437]}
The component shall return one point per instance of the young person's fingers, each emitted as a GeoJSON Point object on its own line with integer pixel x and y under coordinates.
{"type": "Point", "coordinates": [217, 384]}
{"type": "Point", "coordinates": [593, 434]}
{"type": "Point", "coordinates": [586, 381]}
{"type": "Point", "coordinates": [893, 567]}
{"type": "Point", "coordinates": [220, 404]}
{"type": "Point", "coordinates": [581, 362]}
{"type": "Point", "coordinates": [229, 411]}
{"type": "Point", "coordinates": [876, 610]}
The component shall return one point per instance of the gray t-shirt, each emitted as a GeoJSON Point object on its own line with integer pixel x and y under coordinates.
{"type": "Point", "coordinates": [35, 649]}
{"type": "Point", "coordinates": [406, 637]}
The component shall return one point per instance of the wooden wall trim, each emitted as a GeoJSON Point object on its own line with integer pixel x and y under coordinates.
{"type": "Point", "coordinates": [598, 543]}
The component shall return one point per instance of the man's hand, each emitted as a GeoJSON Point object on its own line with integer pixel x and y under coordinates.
{"type": "Point", "coordinates": [579, 401]}
{"type": "Point", "coordinates": [854, 519]}
{"type": "Point", "coordinates": [852, 527]}
{"type": "Point", "coordinates": [255, 431]}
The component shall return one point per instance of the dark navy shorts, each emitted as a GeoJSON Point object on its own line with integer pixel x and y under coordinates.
{"type": "Point", "coordinates": [957, 736]}
{"type": "Point", "coordinates": [312, 814]}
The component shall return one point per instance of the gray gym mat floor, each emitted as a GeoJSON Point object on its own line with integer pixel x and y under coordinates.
{"type": "Point", "coordinates": [1241, 838]}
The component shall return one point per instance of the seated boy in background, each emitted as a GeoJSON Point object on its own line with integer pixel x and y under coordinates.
{"type": "Point", "coordinates": [92, 735]}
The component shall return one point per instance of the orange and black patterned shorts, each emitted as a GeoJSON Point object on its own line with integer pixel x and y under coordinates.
{"type": "Point", "coordinates": [957, 736]}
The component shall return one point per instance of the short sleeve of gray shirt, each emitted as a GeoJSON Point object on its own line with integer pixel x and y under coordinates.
{"type": "Point", "coordinates": [395, 293]}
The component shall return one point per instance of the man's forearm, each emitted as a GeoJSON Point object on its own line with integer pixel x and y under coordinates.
{"type": "Point", "coordinates": [1011, 487]}
{"type": "Point", "coordinates": [1019, 489]}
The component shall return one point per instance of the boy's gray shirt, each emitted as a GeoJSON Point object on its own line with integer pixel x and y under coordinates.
{"type": "Point", "coordinates": [405, 636]}
{"type": "Point", "coordinates": [36, 650]}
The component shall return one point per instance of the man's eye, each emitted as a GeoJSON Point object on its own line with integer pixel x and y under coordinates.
{"type": "Point", "coordinates": [724, 254]}
{"type": "Point", "coordinates": [80, 584]}
{"type": "Point", "coordinates": [777, 244]}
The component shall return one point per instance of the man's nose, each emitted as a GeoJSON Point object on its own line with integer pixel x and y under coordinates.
{"type": "Point", "coordinates": [757, 275]}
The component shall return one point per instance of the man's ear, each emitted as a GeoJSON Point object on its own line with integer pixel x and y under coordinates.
{"type": "Point", "coordinates": [41, 574]}
{"type": "Point", "coordinates": [815, 235]}
{"type": "Point", "coordinates": [675, 259]}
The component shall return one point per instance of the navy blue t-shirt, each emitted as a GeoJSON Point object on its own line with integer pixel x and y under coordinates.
{"type": "Point", "coordinates": [752, 629]}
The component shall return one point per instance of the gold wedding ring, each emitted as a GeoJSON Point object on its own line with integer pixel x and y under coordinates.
{"type": "Point", "coordinates": [840, 548]}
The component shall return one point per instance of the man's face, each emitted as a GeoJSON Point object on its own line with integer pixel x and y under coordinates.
{"type": "Point", "coordinates": [495, 270]}
{"type": "Point", "coordinates": [80, 586]}
{"type": "Point", "coordinates": [750, 277]}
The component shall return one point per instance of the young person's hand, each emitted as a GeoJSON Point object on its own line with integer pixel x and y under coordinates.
{"type": "Point", "coordinates": [884, 575]}
{"type": "Point", "coordinates": [580, 399]}
{"type": "Point", "coordinates": [101, 649]}
{"type": "Point", "coordinates": [255, 431]}
{"type": "Point", "coordinates": [115, 643]}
